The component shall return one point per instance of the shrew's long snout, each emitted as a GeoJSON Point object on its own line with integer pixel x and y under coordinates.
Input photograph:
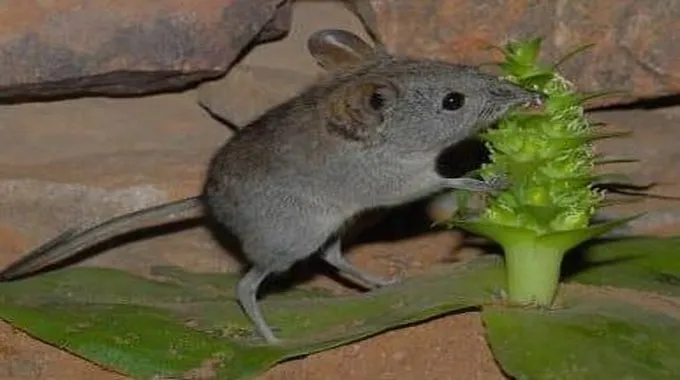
{"type": "Point", "coordinates": [504, 96]}
{"type": "Point", "coordinates": [514, 95]}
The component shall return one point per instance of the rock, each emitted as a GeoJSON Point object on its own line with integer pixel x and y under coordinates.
{"type": "Point", "coordinates": [272, 73]}
{"type": "Point", "coordinates": [652, 138]}
{"type": "Point", "coordinates": [73, 162]}
{"type": "Point", "coordinates": [636, 41]}
{"type": "Point", "coordinates": [247, 91]}
{"type": "Point", "coordinates": [279, 26]}
{"type": "Point", "coordinates": [70, 47]}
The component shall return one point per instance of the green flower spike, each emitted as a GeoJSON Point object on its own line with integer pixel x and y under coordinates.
{"type": "Point", "coordinates": [548, 158]}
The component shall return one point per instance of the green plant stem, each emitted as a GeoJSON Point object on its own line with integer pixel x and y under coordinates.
{"type": "Point", "coordinates": [533, 272]}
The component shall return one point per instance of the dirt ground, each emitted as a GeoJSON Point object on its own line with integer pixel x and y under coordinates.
{"type": "Point", "coordinates": [154, 149]}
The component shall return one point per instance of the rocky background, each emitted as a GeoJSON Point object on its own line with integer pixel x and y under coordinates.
{"type": "Point", "coordinates": [78, 143]}
{"type": "Point", "coordinates": [71, 47]}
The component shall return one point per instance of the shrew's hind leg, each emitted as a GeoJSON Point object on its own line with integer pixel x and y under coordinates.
{"type": "Point", "coordinates": [333, 256]}
{"type": "Point", "coordinates": [246, 292]}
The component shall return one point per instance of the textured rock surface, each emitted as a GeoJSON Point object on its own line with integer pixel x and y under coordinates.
{"type": "Point", "coordinates": [637, 42]}
{"type": "Point", "coordinates": [66, 163]}
{"type": "Point", "coordinates": [278, 26]}
{"type": "Point", "coordinates": [272, 73]}
{"type": "Point", "coordinates": [653, 141]}
{"type": "Point", "coordinates": [55, 48]}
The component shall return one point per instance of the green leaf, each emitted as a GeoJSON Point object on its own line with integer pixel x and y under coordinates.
{"type": "Point", "coordinates": [569, 239]}
{"type": "Point", "coordinates": [607, 135]}
{"type": "Point", "coordinates": [178, 321]}
{"type": "Point", "coordinates": [607, 202]}
{"type": "Point", "coordinates": [503, 234]}
{"type": "Point", "coordinates": [520, 57]}
{"type": "Point", "coordinates": [572, 53]}
{"type": "Point", "coordinates": [584, 98]}
{"type": "Point", "coordinates": [592, 337]}
{"type": "Point", "coordinates": [616, 178]}
{"type": "Point", "coordinates": [527, 51]}
{"type": "Point", "coordinates": [598, 124]}
{"type": "Point", "coordinates": [538, 79]}
{"type": "Point", "coordinates": [603, 160]}
{"type": "Point", "coordinates": [140, 341]}
{"type": "Point", "coordinates": [508, 236]}
{"type": "Point", "coordinates": [541, 214]}
{"type": "Point", "coordinates": [648, 264]}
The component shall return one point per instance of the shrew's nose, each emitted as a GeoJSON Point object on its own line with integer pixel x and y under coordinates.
{"type": "Point", "coordinates": [536, 98]}
{"type": "Point", "coordinates": [521, 95]}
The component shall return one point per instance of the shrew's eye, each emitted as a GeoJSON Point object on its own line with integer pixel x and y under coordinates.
{"type": "Point", "coordinates": [376, 101]}
{"type": "Point", "coordinates": [453, 101]}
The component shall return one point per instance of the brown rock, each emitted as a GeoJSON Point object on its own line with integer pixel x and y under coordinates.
{"type": "Point", "coordinates": [272, 73]}
{"type": "Point", "coordinates": [653, 143]}
{"type": "Point", "coordinates": [74, 162]}
{"type": "Point", "coordinates": [63, 48]}
{"type": "Point", "coordinates": [248, 91]}
{"type": "Point", "coordinates": [279, 26]}
{"type": "Point", "coordinates": [636, 41]}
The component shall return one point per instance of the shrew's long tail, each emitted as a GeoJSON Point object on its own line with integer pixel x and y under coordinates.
{"type": "Point", "coordinates": [72, 241]}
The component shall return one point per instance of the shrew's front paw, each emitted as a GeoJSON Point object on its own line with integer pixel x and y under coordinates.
{"type": "Point", "coordinates": [499, 182]}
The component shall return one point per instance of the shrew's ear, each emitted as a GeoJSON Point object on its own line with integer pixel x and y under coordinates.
{"type": "Point", "coordinates": [336, 49]}
{"type": "Point", "coordinates": [364, 10]}
{"type": "Point", "coordinates": [356, 110]}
